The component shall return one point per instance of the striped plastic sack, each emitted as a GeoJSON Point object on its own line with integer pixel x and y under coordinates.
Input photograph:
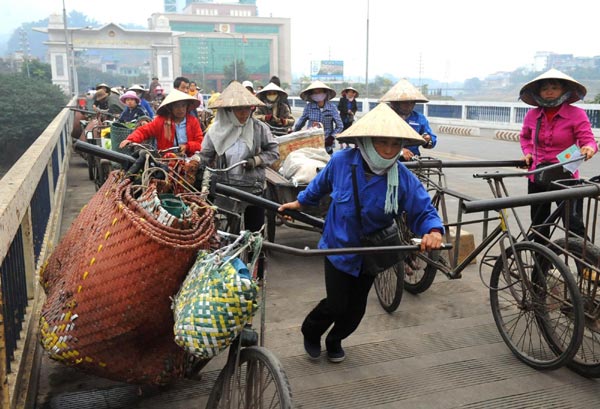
{"type": "Point", "coordinates": [215, 302]}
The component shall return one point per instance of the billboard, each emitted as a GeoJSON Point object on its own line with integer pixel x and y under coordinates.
{"type": "Point", "coordinates": [327, 70]}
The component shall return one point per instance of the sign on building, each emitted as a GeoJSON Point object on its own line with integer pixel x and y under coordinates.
{"type": "Point", "coordinates": [327, 70]}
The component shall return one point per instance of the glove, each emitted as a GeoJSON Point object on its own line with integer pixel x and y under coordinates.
{"type": "Point", "coordinates": [282, 121]}
{"type": "Point", "coordinates": [268, 117]}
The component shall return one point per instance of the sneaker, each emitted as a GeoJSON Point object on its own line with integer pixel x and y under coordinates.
{"type": "Point", "coordinates": [313, 349]}
{"type": "Point", "coordinates": [336, 354]}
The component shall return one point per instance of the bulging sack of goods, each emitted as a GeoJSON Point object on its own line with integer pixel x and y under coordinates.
{"type": "Point", "coordinates": [217, 299]}
{"type": "Point", "coordinates": [302, 165]}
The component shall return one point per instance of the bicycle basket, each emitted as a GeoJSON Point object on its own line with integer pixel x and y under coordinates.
{"type": "Point", "coordinates": [118, 133]}
{"type": "Point", "coordinates": [217, 299]}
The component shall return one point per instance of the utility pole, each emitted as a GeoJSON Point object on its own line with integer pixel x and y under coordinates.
{"type": "Point", "coordinates": [420, 69]}
{"type": "Point", "coordinates": [68, 61]}
{"type": "Point", "coordinates": [367, 63]}
{"type": "Point", "coordinates": [25, 49]}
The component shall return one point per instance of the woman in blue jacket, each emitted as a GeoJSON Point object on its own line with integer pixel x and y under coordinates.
{"type": "Point", "coordinates": [402, 98]}
{"type": "Point", "coordinates": [386, 188]}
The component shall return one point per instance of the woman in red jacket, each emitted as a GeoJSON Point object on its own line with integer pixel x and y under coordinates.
{"type": "Point", "coordinates": [172, 126]}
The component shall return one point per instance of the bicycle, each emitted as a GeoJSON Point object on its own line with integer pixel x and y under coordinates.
{"type": "Point", "coordinates": [581, 254]}
{"type": "Point", "coordinates": [534, 299]}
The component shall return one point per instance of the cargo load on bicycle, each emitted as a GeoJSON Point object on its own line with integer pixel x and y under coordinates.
{"type": "Point", "coordinates": [301, 155]}
{"type": "Point", "coordinates": [109, 281]}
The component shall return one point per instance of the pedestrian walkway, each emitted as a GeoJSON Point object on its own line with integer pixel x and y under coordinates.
{"type": "Point", "coordinates": [440, 349]}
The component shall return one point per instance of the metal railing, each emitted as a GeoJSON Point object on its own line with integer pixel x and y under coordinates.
{"type": "Point", "coordinates": [31, 196]}
{"type": "Point", "coordinates": [501, 113]}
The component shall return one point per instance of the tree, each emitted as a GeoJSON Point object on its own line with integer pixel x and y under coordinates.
{"type": "Point", "coordinates": [27, 106]}
{"type": "Point", "coordinates": [39, 70]}
{"type": "Point", "coordinates": [473, 84]}
{"type": "Point", "coordinates": [229, 72]}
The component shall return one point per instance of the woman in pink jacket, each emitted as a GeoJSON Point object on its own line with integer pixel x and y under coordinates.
{"type": "Point", "coordinates": [549, 129]}
{"type": "Point", "coordinates": [172, 126]}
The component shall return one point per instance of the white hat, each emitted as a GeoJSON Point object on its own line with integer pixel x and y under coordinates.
{"type": "Point", "coordinates": [175, 96]}
{"type": "Point", "coordinates": [248, 84]}
{"type": "Point", "coordinates": [235, 95]}
{"type": "Point", "coordinates": [317, 85]}
{"type": "Point", "coordinates": [403, 91]}
{"type": "Point", "coordinates": [271, 87]}
{"type": "Point", "coordinates": [527, 92]}
{"type": "Point", "coordinates": [382, 122]}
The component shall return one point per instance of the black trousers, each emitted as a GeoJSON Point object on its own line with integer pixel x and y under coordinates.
{"type": "Point", "coordinates": [540, 212]}
{"type": "Point", "coordinates": [344, 306]}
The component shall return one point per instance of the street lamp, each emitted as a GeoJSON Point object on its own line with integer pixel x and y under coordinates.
{"type": "Point", "coordinates": [234, 52]}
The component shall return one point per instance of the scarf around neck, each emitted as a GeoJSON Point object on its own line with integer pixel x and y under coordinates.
{"type": "Point", "coordinates": [381, 166]}
{"type": "Point", "coordinates": [227, 130]}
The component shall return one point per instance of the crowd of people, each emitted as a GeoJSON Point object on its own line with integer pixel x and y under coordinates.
{"type": "Point", "coordinates": [366, 180]}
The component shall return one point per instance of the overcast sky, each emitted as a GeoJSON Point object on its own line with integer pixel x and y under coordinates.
{"type": "Point", "coordinates": [439, 39]}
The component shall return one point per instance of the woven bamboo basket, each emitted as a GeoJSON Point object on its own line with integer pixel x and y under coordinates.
{"type": "Point", "coordinates": [309, 138]}
{"type": "Point", "coordinates": [109, 284]}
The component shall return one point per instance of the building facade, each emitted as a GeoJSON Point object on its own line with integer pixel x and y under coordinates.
{"type": "Point", "coordinates": [220, 41]}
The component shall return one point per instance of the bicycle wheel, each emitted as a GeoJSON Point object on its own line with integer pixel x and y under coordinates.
{"type": "Point", "coordinates": [389, 288]}
{"type": "Point", "coordinates": [587, 360]}
{"type": "Point", "coordinates": [539, 313]}
{"type": "Point", "coordinates": [260, 382]}
{"type": "Point", "coordinates": [418, 274]}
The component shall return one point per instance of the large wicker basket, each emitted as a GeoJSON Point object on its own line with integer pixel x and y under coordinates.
{"type": "Point", "coordinates": [109, 284]}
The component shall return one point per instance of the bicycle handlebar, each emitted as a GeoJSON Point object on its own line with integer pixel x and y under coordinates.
{"type": "Point", "coordinates": [435, 163]}
{"type": "Point", "coordinates": [499, 175]}
{"type": "Point", "coordinates": [575, 192]}
{"type": "Point", "coordinates": [126, 161]}
{"type": "Point", "coordinates": [308, 252]}
{"type": "Point", "coordinates": [83, 111]}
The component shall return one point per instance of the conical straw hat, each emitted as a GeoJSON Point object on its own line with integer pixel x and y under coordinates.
{"type": "Point", "coordinates": [235, 95]}
{"type": "Point", "coordinates": [351, 89]}
{"type": "Point", "coordinates": [382, 122]}
{"type": "Point", "coordinates": [315, 85]}
{"type": "Point", "coordinates": [404, 91]}
{"type": "Point", "coordinates": [272, 87]}
{"type": "Point", "coordinates": [175, 96]}
{"type": "Point", "coordinates": [531, 88]}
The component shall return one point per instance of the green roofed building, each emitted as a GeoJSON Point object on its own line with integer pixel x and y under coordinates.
{"type": "Point", "coordinates": [216, 41]}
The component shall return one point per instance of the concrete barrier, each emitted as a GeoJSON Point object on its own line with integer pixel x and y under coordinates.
{"type": "Point", "coordinates": [507, 135]}
{"type": "Point", "coordinates": [459, 130]}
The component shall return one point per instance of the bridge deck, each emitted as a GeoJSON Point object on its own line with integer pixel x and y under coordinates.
{"type": "Point", "coordinates": [439, 350]}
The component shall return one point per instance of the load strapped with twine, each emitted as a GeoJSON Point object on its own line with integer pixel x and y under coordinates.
{"type": "Point", "coordinates": [217, 298]}
{"type": "Point", "coordinates": [109, 282]}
